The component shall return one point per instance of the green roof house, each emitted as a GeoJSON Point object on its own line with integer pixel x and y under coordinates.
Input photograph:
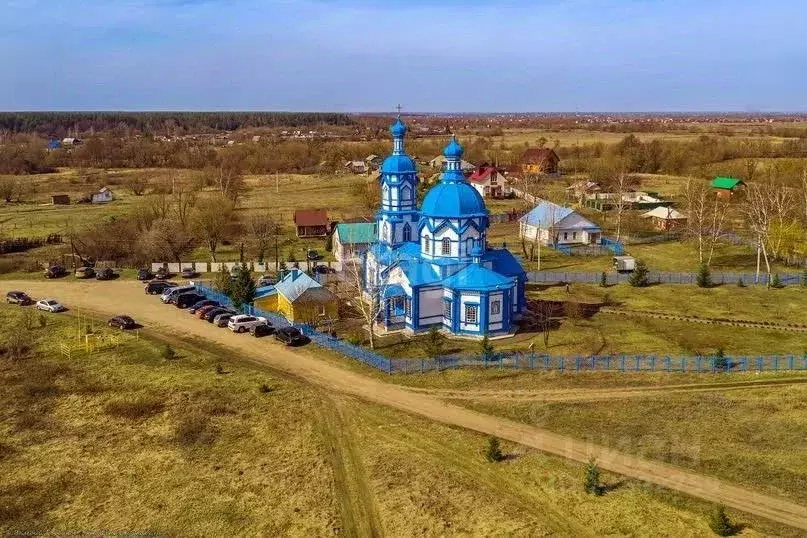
{"type": "Point", "coordinates": [351, 239]}
{"type": "Point", "coordinates": [726, 186]}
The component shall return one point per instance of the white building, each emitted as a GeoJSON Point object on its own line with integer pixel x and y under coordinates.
{"type": "Point", "coordinates": [103, 196]}
{"type": "Point", "coordinates": [551, 224]}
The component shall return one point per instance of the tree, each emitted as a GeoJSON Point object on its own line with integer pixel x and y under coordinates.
{"type": "Point", "coordinates": [136, 182]}
{"type": "Point", "coordinates": [262, 232]}
{"type": "Point", "coordinates": [369, 302]}
{"type": "Point", "coordinates": [603, 280]}
{"type": "Point", "coordinates": [242, 289]}
{"type": "Point", "coordinates": [706, 216]}
{"type": "Point", "coordinates": [8, 188]}
{"type": "Point", "coordinates": [720, 523]}
{"type": "Point", "coordinates": [621, 186]}
{"type": "Point", "coordinates": [544, 318]}
{"type": "Point", "coordinates": [223, 281]}
{"type": "Point", "coordinates": [433, 343]}
{"type": "Point", "coordinates": [166, 240]}
{"type": "Point", "coordinates": [493, 453]}
{"type": "Point", "coordinates": [486, 348]}
{"type": "Point", "coordinates": [591, 483]}
{"type": "Point", "coordinates": [638, 279]}
{"type": "Point", "coordinates": [804, 278]}
{"type": "Point", "coordinates": [183, 197]}
{"type": "Point", "coordinates": [704, 277]}
{"type": "Point", "coordinates": [766, 202]}
{"type": "Point", "coordinates": [213, 220]}
{"type": "Point", "coordinates": [775, 281]}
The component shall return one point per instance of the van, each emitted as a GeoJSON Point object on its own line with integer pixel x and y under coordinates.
{"type": "Point", "coordinates": [172, 292]}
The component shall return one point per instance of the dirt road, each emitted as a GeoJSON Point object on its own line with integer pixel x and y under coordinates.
{"type": "Point", "coordinates": [128, 297]}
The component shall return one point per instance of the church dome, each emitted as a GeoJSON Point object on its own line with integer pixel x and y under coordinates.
{"type": "Point", "coordinates": [453, 200]}
{"type": "Point", "coordinates": [398, 129]}
{"type": "Point", "coordinates": [398, 164]}
{"type": "Point", "coordinates": [453, 150]}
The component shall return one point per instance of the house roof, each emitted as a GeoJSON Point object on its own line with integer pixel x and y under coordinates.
{"type": "Point", "coordinates": [354, 233]}
{"type": "Point", "coordinates": [504, 262]}
{"type": "Point", "coordinates": [265, 291]}
{"type": "Point", "coordinates": [482, 174]}
{"type": "Point", "coordinates": [547, 214]}
{"type": "Point", "coordinates": [311, 217]}
{"type": "Point", "coordinates": [294, 284]}
{"type": "Point", "coordinates": [726, 183]}
{"type": "Point", "coordinates": [476, 277]}
{"type": "Point", "coordinates": [419, 273]}
{"type": "Point", "coordinates": [539, 155]}
{"type": "Point", "coordinates": [315, 295]}
{"type": "Point", "coordinates": [665, 213]}
{"type": "Point", "coordinates": [393, 290]}
{"type": "Point", "coordinates": [440, 159]}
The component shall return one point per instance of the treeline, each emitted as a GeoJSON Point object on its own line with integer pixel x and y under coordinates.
{"type": "Point", "coordinates": [61, 124]}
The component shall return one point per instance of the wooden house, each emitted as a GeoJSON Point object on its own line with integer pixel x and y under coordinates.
{"type": "Point", "coordinates": [665, 218]}
{"type": "Point", "coordinates": [311, 222]}
{"type": "Point", "coordinates": [542, 161]}
{"type": "Point", "coordinates": [60, 199]}
{"type": "Point", "coordinates": [726, 187]}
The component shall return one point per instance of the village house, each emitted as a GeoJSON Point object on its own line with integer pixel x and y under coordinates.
{"type": "Point", "coordinates": [103, 196]}
{"type": "Point", "coordinates": [71, 141]}
{"type": "Point", "coordinates": [551, 224]}
{"type": "Point", "coordinates": [606, 201]}
{"type": "Point", "coordinates": [60, 199]}
{"type": "Point", "coordinates": [299, 298]}
{"type": "Point", "coordinates": [311, 222]}
{"type": "Point", "coordinates": [665, 218]}
{"type": "Point", "coordinates": [542, 161]}
{"type": "Point", "coordinates": [440, 162]}
{"type": "Point", "coordinates": [726, 187]}
{"type": "Point", "coordinates": [351, 239]}
{"type": "Point", "coordinates": [581, 189]}
{"type": "Point", "coordinates": [357, 167]}
{"type": "Point", "coordinates": [489, 181]}
{"type": "Point", "coordinates": [373, 161]}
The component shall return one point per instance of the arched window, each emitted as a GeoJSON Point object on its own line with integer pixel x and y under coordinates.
{"type": "Point", "coordinates": [386, 231]}
{"type": "Point", "coordinates": [446, 246]}
{"type": "Point", "coordinates": [407, 232]}
{"type": "Point", "coordinates": [427, 244]}
{"type": "Point", "coordinates": [469, 245]}
{"type": "Point", "coordinates": [406, 194]}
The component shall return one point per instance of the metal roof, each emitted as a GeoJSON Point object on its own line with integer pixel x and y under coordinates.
{"type": "Point", "coordinates": [726, 183]}
{"type": "Point", "coordinates": [356, 233]}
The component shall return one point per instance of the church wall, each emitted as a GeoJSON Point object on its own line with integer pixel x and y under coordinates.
{"type": "Point", "coordinates": [468, 298]}
{"type": "Point", "coordinates": [431, 306]}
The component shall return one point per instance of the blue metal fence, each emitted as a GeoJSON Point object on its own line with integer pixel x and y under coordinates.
{"type": "Point", "coordinates": [559, 277]}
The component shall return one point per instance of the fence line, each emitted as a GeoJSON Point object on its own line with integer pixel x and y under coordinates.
{"type": "Point", "coordinates": [558, 277]}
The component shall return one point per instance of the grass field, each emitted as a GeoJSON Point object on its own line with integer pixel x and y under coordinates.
{"type": "Point", "coordinates": [127, 440]}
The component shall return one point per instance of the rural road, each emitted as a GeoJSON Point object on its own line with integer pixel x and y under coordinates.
{"type": "Point", "coordinates": [127, 297]}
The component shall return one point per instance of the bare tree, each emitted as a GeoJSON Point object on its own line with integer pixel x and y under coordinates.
{"type": "Point", "coordinates": [8, 188]}
{"type": "Point", "coordinates": [137, 183]}
{"type": "Point", "coordinates": [621, 185]}
{"type": "Point", "coordinates": [166, 240]}
{"type": "Point", "coordinates": [804, 193]}
{"type": "Point", "coordinates": [369, 300]}
{"type": "Point", "coordinates": [766, 202]}
{"type": "Point", "coordinates": [706, 217]}
{"type": "Point", "coordinates": [183, 197]}
{"type": "Point", "coordinates": [262, 232]}
{"type": "Point", "coordinates": [213, 220]}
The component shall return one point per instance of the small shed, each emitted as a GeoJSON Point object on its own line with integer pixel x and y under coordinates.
{"type": "Point", "coordinates": [725, 187]}
{"type": "Point", "coordinates": [60, 199]}
{"type": "Point", "coordinates": [665, 218]}
{"type": "Point", "coordinates": [103, 196]}
{"type": "Point", "coordinates": [311, 222]}
{"type": "Point", "coordinates": [540, 161]}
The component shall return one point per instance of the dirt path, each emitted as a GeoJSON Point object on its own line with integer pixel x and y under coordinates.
{"type": "Point", "coordinates": [128, 297]}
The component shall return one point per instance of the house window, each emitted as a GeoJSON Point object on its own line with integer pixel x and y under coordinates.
{"type": "Point", "coordinates": [407, 232]}
{"type": "Point", "coordinates": [447, 309]}
{"type": "Point", "coordinates": [471, 312]}
{"type": "Point", "coordinates": [446, 246]}
{"type": "Point", "coordinates": [322, 310]}
{"type": "Point", "coordinates": [565, 235]}
{"type": "Point", "coordinates": [399, 306]}
{"type": "Point", "coordinates": [427, 245]}
{"type": "Point", "coordinates": [574, 235]}
{"type": "Point", "coordinates": [496, 307]}
{"type": "Point", "coordinates": [408, 307]}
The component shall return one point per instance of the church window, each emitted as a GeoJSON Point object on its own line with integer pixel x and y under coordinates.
{"type": "Point", "coordinates": [406, 194]}
{"type": "Point", "coordinates": [496, 307]}
{"type": "Point", "coordinates": [427, 246]}
{"type": "Point", "coordinates": [407, 232]}
{"type": "Point", "coordinates": [471, 313]}
{"type": "Point", "coordinates": [447, 309]}
{"type": "Point", "coordinates": [574, 235]}
{"type": "Point", "coordinates": [386, 231]}
{"type": "Point", "coordinates": [469, 244]}
{"type": "Point", "coordinates": [408, 307]}
{"type": "Point", "coordinates": [565, 235]}
{"type": "Point", "coordinates": [446, 246]}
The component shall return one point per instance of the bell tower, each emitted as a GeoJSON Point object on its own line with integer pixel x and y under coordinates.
{"type": "Point", "coordinates": [397, 219]}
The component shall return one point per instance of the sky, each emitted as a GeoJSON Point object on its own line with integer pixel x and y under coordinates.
{"type": "Point", "coordinates": [429, 56]}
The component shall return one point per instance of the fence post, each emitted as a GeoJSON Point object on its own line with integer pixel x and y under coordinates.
{"type": "Point", "coordinates": [622, 363]}
{"type": "Point", "coordinates": [683, 365]}
{"type": "Point", "coordinates": [760, 364]}
{"type": "Point", "coordinates": [714, 364]}
{"type": "Point", "coordinates": [562, 366]}
{"type": "Point", "coordinates": [638, 363]}
{"type": "Point", "coordinates": [776, 363]}
{"type": "Point", "coordinates": [652, 363]}
{"type": "Point", "coordinates": [608, 362]}
{"type": "Point", "coordinates": [790, 362]}
{"type": "Point", "coordinates": [577, 363]}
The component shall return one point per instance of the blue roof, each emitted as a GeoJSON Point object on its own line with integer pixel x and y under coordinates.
{"type": "Point", "coordinates": [398, 164]}
{"type": "Point", "coordinates": [393, 290]}
{"type": "Point", "coordinates": [398, 128]}
{"type": "Point", "coordinates": [387, 255]}
{"type": "Point", "coordinates": [476, 277]}
{"type": "Point", "coordinates": [419, 273]}
{"type": "Point", "coordinates": [294, 284]}
{"type": "Point", "coordinates": [504, 262]}
{"type": "Point", "coordinates": [453, 150]}
{"type": "Point", "coordinates": [265, 291]}
{"type": "Point", "coordinates": [457, 199]}
{"type": "Point", "coordinates": [546, 214]}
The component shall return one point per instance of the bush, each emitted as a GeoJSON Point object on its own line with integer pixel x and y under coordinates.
{"type": "Point", "coordinates": [603, 280]}
{"type": "Point", "coordinates": [219, 369]}
{"type": "Point", "coordinates": [720, 523]}
{"type": "Point", "coordinates": [433, 343]}
{"type": "Point", "coordinates": [265, 389]}
{"type": "Point", "coordinates": [776, 282]}
{"type": "Point", "coordinates": [638, 279]}
{"type": "Point", "coordinates": [138, 409]}
{"type": "Point", "coordinates": [591, 483]}
{"type": "Point", "coordinates": [804, 278]}
{"type": "Point", "coordinates": [704, 277]}
{"type": "Point", "coordinates": [355, 339]}
{"type": "Point", "coordinates": [168, 353]}
{"type": "Point", "coordinates": [486, 348]}
{"type": "Point", "coordinates": [43, 321]}
{"type": "Point", "coordinates": [493, 453]}
{"type": "Point", "coordinates": [740, 283]}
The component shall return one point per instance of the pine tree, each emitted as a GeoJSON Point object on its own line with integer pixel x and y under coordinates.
{"type": "Point", "coordinates": [433, 343]}
{"type": "Point", "coordinates": [776, 282]}
{"type": "Point", "coordinates": [638, 279]}
{"type": "Point", "coordinates": [486, 348]}
{"type": "Point", "coordinates": [592, 484]}
{"type": "Point", "coordinates": [720, 523]}
{"type": "Point", "coordinates": [223, 281]}
{"type": "Point", "coordinates": [603, 280]}
{"type": "Point", "coordinates": [704, 277]}
{"type": "Point", "coordinates": [242, 289]}
{"type": "Point", "coordinates": [494, 452]}
{"type": "Point", "coordinates": [740, 283]}
{"type": "Point", "coordinates": [804, 278]}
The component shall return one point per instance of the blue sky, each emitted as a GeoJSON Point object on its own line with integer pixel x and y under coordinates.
{"type": "Point", "coordinates": [368, 55]}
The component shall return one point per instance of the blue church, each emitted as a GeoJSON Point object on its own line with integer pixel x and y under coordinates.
{"type": "Point", "coordinates": [431, 266]}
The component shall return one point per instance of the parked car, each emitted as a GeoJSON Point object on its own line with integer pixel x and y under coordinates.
{"type": "Point", "coordinates": [199, 304]}
{"type": "Point", "coordinates": [122, 321]}
{"type": "Point", "coordinates": [266, 281]}
{"type": "Point", "coordinates": [105, 274]}
{"type": "Point", "coordinates": [211, 314]}
{"type": "Point", "coordinates": [201, 312]}
{"type": "Point", "coordinates": [55, 271]}
{"type": "Point", "coordinates": [291, 336]}
{"type": "Point", "coordinates": [624, 264]}
{"type": "Point", "coordinates": [184, 300]}
{"type": "Point", "coordinates": [173, 292]}
{"type": "Point", "coordinates": [244, 322]}
{"type": "Point", "coordinates": [85, 272]}
{"type": "Point", "coordinates": [144, 274]}
{"type": "Point", "coordinates": [313, 255]}
{"type": "Point", "coordinates": [324, 270]}
{"type": "Point", "coordinates": [188, 273]}
{"type": "Point", "coordinates": [18, 297]}
{"type": "Point", "coordinates": [162, 273]}
{"type": "Point", "coordinates": [156, 287]}
{"type": "Point", "coordinates": [261, 330]}
{"type": "Point", "coordinates": [223, 319]}
{"type": "Point", "coordinates": [50, 305]}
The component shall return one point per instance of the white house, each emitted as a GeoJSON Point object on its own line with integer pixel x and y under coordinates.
{"type": "Point", "coordinates": [351, 240]}
{"type": "Point", "coordinates": [439, 162]}
{"type": "Point", "coordinates": [103, 196]}
{"type": "Point", "coordinates": [489, 182]}
{"type": "Point", "coordinates": [357, 167]}
{"type": "Point", "coordinates": [552, 224]}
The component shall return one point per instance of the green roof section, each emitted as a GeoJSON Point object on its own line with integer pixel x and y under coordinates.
{"type": "Point", "coordinates": [725, 183]}
{"type": "Point", "coordinates": [356, 233]}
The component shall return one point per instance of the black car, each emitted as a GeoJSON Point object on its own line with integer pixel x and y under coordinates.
{"type": "Point", "coordinates": [211, 314]}
{"type": "Point", "coordinates": [199, 304]}
{"type": "Point", "coordinates": [144, 274]}
{"type": "Point", "coordinates": [290, 336]}
{"type": "Point", "coordinates": [85, 272]}
{"type": "Point", "coordinates": [105, 274]}
{"type": "Point", "coordinates": [188, 273]}
{"type": "Point", "coordinates": [18, 297]}
{"type": "Point", "coordinates": [184, 300]}
{"type": "Point", "coordinates": [313, 255]}
{"type": "Point", "coordinates": [324, 270]}
{"type": "Point", "coordinates": [55, 271]}
{"type": "Point", "coordinates": [162, 273]}
{"type": "Point", "coordinates": [262, 330]}
{"type": "Point", "coordinates": [122, 322]}
{"type": "Point", "coordinates": [156, 287]}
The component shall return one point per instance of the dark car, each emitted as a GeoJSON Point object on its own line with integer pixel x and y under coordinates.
{"type": "Point", "coordinates": [162, 273]}
{"type": "Point", "coordinates": [184, 300]}
{"type": "Point", "coordinates": [262, 330]}
{"type": "Point", "coordinates": [199, 304]}
{"type": "Point", "coordinates": [188, 273]}
{"type": "Point", "coordinates": [105, 274]}
{"type": "Point", "coordinates": [221, 320]}
{"type": "Point", "coordinates": [291, 336]}
{"type": "Point", "coordinates": [18, 297]}
{"type": "Point", "coordinates": [55, 271]}
{"type": "Point", "coordinates": [144, 274]}
{"type": "Point", "coordinates": [211, 314]}
{"type": "Point", "coordinates": [324, 270]}
{"type": "Point", "coordinates": [156, 287]}
{"type": "Point", "coordinates": [313, 255]}
{"type": "Point", "coordinates": [122, 322]}
{"type": "Point", "coordinates": [85, 272]}
{"type": "Point", "coordinates": [266, 281]}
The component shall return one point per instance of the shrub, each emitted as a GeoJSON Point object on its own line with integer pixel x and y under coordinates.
{"type": "Point", "coordinates": [138, 409]}
{"type": "Point", "coordinates": [776, 282]}
{"type": "Point", "coordinates": [355, 339]}
{"type": "Point", "coordinates": [219, 369]}
{"type": "Point", "coordinates": [603, 280]}
{"type": "Point", "coordinates": [804, 278]}
{"type": "Point", "coordinates": [265, 389]}
{"type": "Point", "coordinates": [433, 343]}
{"type": "Point", "coordinates": [486, 348]}
{"type": "Point", "coordinates": [638, 279]}
{"type": "Point", "coordinates": [704, 276]}
{"type": "Point", "coordinates": [720, 523]}
{"type": "Point", "coordinates": [591, 483]}
{"type": "Point", "coordinates": [740, 283]}
{"type": "Point", "coordinates": [168, 353]}
{"type": "Point", "coordinates": [493, 452]}
{"type": "Point", "coordinates": [43, 321]}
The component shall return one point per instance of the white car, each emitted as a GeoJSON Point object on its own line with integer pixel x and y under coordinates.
{"type": "Point", "coordinates": [50, 305]}
{"type": "Point", "coordinates": [244, 322]}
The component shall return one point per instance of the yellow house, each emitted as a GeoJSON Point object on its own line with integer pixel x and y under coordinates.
{"type": "Point", "coordinates": [299, 298]}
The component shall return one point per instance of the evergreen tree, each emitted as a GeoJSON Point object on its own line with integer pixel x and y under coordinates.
{"type": "Point", "coordinates": [704, 277]}
{"type": "Point", "coordinates": [719, 522]}
{"type": "Point", "coordinates": [494, 452]}
{"type": "Point", "coordinates": [740, 283]}
{"type": "Point", "coordinates": [223, 281]}
{"type": "Point", "coordinates": [486, 348]}
{"type": "Point", "coordinates": [603, 280]}
{"type": "Point", "coordinates": [169, 353]}
{"type": "Point", "coordinates": [638, 279]}
{"type": "Point", "coordinates": [242, 290]}
{"type": "Point", "coordinates": [804, 278]}
{"type": "Point", "coordinates": [592, 484]}
{"type": "Point", "coordinates": [776, 283]}
{"type": "Point", "coordinates": [329, 243]}
{"type": "Point", "coordinates": [433, 343]}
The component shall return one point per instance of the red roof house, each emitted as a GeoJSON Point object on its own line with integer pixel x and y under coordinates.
{"type": "Point", "coordinates": [489, 181]}
{"type": "Point", "coordinates": [311, 222]}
